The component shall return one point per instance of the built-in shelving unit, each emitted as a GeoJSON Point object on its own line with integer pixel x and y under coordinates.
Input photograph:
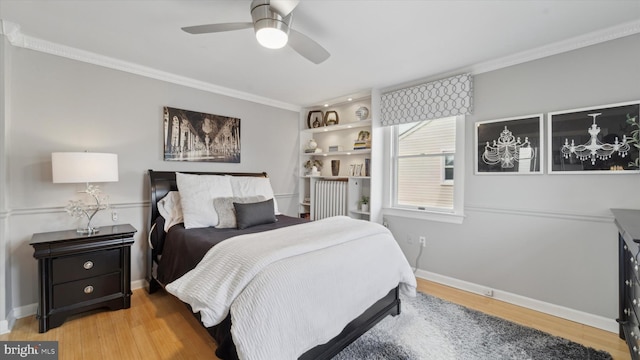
{"type": "Point", "coordinates": [335, 143]}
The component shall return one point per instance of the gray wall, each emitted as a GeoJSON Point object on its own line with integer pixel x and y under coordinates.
{"type": "Point", "coordinates": [545, 237]}
{"type": "Point", "coordinates": [59, 104]}
{"type": "Point", "coordinates": [5, 260]}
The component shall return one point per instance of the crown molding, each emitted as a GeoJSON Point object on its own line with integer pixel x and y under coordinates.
{"type": "Point", "coordinates": [16, 38]}
{"type": "Point", "coordinates": [596, 37]}
{"type": "Point", "coordinates": [593, 38]}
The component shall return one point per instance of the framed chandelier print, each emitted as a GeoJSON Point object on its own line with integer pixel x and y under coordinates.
{"type": "Point", "coordinates": [599, 139]}
{"type": "Point", "coordinates": [509, 146]}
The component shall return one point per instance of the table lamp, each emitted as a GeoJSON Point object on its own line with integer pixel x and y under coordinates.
{"type": "Point", "coordinates": [85, 167]}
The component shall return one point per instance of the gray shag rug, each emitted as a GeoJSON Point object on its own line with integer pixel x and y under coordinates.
{"type": "Point", "coordinates": [434, 329]}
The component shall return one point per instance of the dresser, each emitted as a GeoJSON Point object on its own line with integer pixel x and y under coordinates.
{"type": "Point", "coordinates": [628, 223]}
{"type": "Point", "coordinates": [79, 272]}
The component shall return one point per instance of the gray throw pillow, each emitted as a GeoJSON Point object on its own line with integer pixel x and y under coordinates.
{"type": "Point", "coordinates": [227, 213]}
{"type": "Point", "coordinates": [252, 214]}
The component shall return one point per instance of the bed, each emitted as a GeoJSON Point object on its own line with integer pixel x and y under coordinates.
{"type": "Point", "coordinates": [175, 254]}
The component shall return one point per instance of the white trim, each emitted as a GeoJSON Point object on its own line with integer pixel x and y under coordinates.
{"type": "Point", "coordinates": [57, 209]}
{"type": "Point", "coordinates": [23, 311]}
{"type": "Point", "coordinates": [122, 205]}
{"type": "Point", "coordinates": [18, 39]}
{"type": "Point", "coordinates": [32, 309]}
{"type": "Point", "coordinates": [138, 284]}
{"type": "Point", "coordinates": [578, 42]}
{"type": "Point", "coordinates": [4, 327]}
{"type": "Point", "coordinates": [12, 32]}
{"type": "Point", "coordinates": [581, 317]}
{"type": "Point", "coordinates": [455, 215]}
{"type": "Point", "coordinates": [592, 38]}
{"type": "Point", "coordinates": [540, 213]}
{"type": "Point", "coordinates": [424, 215]}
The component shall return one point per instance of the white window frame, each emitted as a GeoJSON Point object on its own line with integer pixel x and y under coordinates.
{"type": "Point", "coordinates": [455, 215]}
{"type": "Point", "coordinates": [443, 173]}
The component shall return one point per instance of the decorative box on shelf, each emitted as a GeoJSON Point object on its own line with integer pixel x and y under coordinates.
{"type": "Point", "coordinates": [335, 148]}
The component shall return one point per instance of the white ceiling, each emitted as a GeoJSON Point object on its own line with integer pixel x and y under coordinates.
{"type": "Point", "coordinates": [373, 44]}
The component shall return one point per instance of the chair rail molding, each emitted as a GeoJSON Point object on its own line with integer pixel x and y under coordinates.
{"type": "Point", "coordinates": [540, 213]}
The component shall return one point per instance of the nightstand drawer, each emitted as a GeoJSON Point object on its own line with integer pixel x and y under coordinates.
{"type": "Point", "coordinates": [85, 265]}
{"type": "Point", "coordinates": [86, 289]}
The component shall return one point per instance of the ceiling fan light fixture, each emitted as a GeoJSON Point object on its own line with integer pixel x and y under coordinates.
{"type": "Point", "coordinates": [272, 30]}
{"type": "Point", "coordinates": [272, 38]}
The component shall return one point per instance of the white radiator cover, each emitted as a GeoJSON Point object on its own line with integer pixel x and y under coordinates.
{"type": "Point", "coordinates": [330, 199]}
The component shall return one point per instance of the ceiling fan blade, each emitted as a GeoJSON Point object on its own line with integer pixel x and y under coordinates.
{"type": "Point", "coordinates": [283, 7]}
{"type": "Point", "coordinates": [213, 28]}
{"type": "Point", "coordinates": [307, 47]}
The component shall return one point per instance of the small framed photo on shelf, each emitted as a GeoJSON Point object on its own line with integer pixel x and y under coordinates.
{"type": "Point", "coordinates": [597, 139]}
{"type": "Point", "coordinates": [509, 146]}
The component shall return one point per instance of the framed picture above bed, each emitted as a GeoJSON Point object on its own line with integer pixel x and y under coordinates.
{"type": "Point", "coordinates": [197, 136]}
{"type": "Point", "coordinates": [509, 146]}
{"type": "Point", "coordinates": [599, 139]}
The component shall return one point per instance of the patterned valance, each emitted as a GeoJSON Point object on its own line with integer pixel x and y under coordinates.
{"type": "Point", "coordinates": [447, 97]}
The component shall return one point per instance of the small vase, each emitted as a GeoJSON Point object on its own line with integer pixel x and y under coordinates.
{"type": "Point", "coordinates": [335, 167]}
{"type": "Point", "coordinates": [364, 207]}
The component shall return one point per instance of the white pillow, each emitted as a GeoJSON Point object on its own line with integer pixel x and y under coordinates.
{"type": "Point", "coordinates": [244, 186]}
{"type": "Point", "coordinates": [196, 197]}
{"type": "Point", "coordinates": [170, 209]}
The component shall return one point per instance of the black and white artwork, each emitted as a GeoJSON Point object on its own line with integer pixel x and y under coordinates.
{"type": "Point", "coordinates": [598, 139]}
{"type": "Point", "coordinates": [196, 136]}
{"type": "Point", "coordinates": [509, 146]}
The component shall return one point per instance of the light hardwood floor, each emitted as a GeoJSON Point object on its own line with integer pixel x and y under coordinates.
{"type": "Point", "coordinates": [158, 326]}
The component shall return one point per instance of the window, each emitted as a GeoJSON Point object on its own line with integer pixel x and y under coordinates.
{"type": "Point", "coordinates": [423, 164]}
{"type": "Point", "coordinates": [447, 167]}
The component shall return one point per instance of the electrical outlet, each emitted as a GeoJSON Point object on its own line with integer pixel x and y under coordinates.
{"type": "Point", "coordinates": [114, 215]}
{"type": "Point", "coordinates": [423, 241]}
{"type": "Point", "coordinates": [488, 292]}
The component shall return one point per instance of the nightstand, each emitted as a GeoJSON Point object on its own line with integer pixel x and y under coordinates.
{"type": "Point", "coordinates": [77, 272]}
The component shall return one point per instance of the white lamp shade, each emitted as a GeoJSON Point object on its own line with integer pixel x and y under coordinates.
{"type": "Point", "coordinates": [84, 167]}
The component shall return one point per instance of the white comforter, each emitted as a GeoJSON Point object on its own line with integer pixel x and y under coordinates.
{"type": "Point", "coordinates": [291, 289]}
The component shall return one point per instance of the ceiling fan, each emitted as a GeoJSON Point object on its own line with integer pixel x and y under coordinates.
{"type": "Point", "coordinates": [271, 22]}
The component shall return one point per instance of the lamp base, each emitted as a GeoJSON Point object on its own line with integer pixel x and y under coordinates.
{"type": "Point", "coordinates": [87, 230]}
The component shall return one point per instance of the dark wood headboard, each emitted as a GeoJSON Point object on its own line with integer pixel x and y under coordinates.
{"type": "Point", "coordinates": [161, 182]}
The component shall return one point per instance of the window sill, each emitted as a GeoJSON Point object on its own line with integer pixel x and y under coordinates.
{"type": "Point", "coordinates": [453, 218]}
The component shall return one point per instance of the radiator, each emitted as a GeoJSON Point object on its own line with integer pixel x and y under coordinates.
{"type": "Point", "coordinates": [330, 199]}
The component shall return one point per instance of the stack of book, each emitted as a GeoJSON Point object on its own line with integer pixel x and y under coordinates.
{"type": "Point", "coordinates": [362, 144]}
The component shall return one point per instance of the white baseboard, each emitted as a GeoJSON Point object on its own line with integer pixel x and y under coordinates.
{"type": "Point", "coordinates": [4, 327]}
{"type": "Point", "coordinates": [31, 309]}
{"type": "Point", "coordinates": [581, 317]}
{"type": "Point", "coordinates": [138, 284]}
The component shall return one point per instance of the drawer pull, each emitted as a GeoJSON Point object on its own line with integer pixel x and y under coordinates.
{"type": "Point", "coordinates": [88, 265]}
{"type": "Point", "coordinates": [88, 289]}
